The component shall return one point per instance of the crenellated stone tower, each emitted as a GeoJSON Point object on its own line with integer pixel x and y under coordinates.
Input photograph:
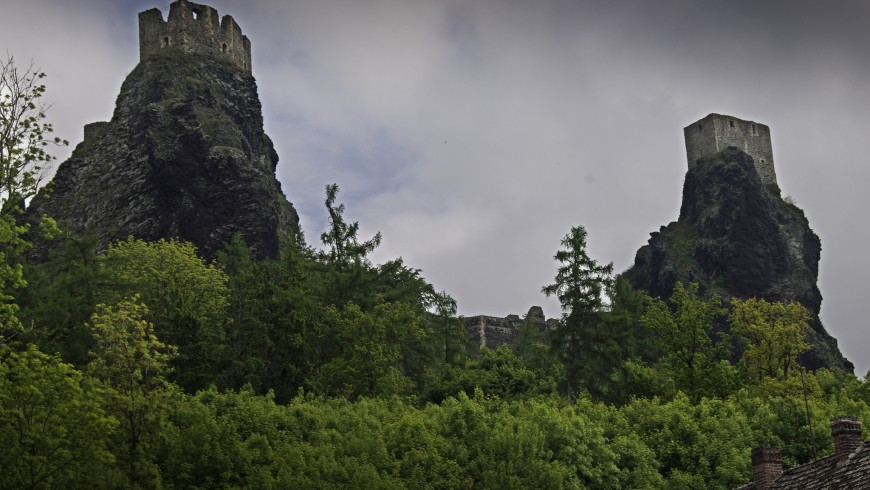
{"type": "Point", "coordinates": [194, 28]}
{"type": "Point", "coordinates": [717, 132]}
{"type": "Point", "coordinates": [185, 155]}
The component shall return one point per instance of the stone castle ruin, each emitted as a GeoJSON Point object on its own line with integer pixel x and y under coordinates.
{"type": "Point", "coordinates": [194, 28]}
{"type": "Point", "coordinates": [717, 132]}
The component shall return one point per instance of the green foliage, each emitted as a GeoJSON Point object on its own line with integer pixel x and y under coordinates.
{"type": "Point", "coordinates": [131, 364]}
{"type": "Point", "coordinates": [498, 372]}
{"type": "Point", "coordinates": [341, 237]}
{"type": "Point", "coordinates": [24, 134]}
{"type": "Point", "coordinates": [580, 281]}
{"type": "Point", "coordinates": [52, 427]}
{"type": "Point", "coordinates": [449, 330]}
{"type": "Point", "coordinates": [327, 371]}
{"type": "Point", "coordinates": [370, 348]}
{"type": "Point", "coordinates": [698, 445]}
{"type": "Point", "coordinates": [60, 298]}
{"type": "Point", "coordinates": [697, 365]}
{"type": "Point", "coordinates": [581, 339]}
{"type": "Point", "coordinates": [12, 247]}
{"type": "Point", "coordinates": [773, 335]}
{"type": "Point", "coordinates": [186, 299]}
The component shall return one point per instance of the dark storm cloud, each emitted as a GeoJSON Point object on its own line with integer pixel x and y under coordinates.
{"type": "Point", "coordinates": [475, 134]}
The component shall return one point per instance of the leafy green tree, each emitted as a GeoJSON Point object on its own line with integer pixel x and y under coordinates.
{"type": "Point", "coordinates": [132, 365]}
{"type": "Point", "coordinates": [60, 298]}
{"type": "Point", "coordinates": [698, 445]}
{"type": "Point", "coordinates": [397, 283]}
{"type": "Point", "coordinates": [772, 334]}
{"type": "Point", "coordinates": [24, 158]}
{"type": "Point", "coordinates": [625, 338]}
{"type": "Point", "coordinates": [53, 431]}
{"type": "Point", "coordinates": [580, 286]}
{"type": "Point", "coordinates": [12, 248]}
{"type": "Point", "coordinates": [227, 440]}
{"type": "Point", "coordinates": [186, 299]}
{"type": "Point", "coordinates": [24, 134]}
{"type": "Point", "coordinates": [370, 350]}
{"type": "Point", "coordinates": [504, 374]}
{"type": "Point", "coordinates": [696, 363]}
{"type": "Point", "coordinates": [251, 330]}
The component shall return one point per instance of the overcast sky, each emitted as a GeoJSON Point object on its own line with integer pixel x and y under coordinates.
{"type": "Point", "coordinates": [474, 134]}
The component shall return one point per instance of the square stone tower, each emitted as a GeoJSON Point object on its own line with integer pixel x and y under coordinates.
{"type": "Point", "coordinates": [716, 132]}
{"type": "Point", "coordinates": [194, 28]}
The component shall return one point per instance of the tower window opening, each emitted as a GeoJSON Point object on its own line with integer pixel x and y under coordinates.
{"type": "Point", "coordinates": [700, 128]}
{"type": "Point", "coordinates": [731, 123]}
{"type": "Point", "coordinates": [224, 48]}
{"type": "Point", "coordinates": [164, 42]}
{"type": "Point", "coordinates": [195, 14]}
{"type": "Point", "coordinates": [754, 130]}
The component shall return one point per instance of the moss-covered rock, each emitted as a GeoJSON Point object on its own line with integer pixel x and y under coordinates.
{"type": "Point", "coordinates": [739, 238]}
{"type": "Point", "coordinates": [184, 156]}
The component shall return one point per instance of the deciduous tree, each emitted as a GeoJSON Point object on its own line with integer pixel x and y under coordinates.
{"type": "Point", "coordinates": [24, 134]}
{"type": "Point", "coordinates": [772, 334]}
{"type": "Point", "coordinates": [697, 364]}
{"type": "Point", "coordinates": [53, 431]}
{"type": "Point", "coordinates": [132, 365]}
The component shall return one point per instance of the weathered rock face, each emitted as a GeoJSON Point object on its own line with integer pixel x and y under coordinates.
{"type": "Point", "coordinates": [184, 156]}
{"type": "Point", "coordinates": [492, 332]}
{"type": "Point", "coordinates": [739, 238]}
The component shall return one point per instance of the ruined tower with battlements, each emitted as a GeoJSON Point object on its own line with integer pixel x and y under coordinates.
{"type": "Point", "coordinates": [717, 132]}
{"type": "Point", "coordinates": [194, 28]}
{"type": "Point", "coordinates": [185, 155]}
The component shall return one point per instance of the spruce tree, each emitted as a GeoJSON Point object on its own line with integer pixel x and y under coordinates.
{"type": "Point", "coordinates": [579, 340]}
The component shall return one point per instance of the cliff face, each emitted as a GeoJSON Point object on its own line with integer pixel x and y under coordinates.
{"type": "Point", "coordinates": [184, 156]}
{"type": "Point", "coordinates": [738, 238]}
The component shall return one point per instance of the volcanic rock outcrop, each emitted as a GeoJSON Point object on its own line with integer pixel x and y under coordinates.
{"type": "Point", "coordinates": [738, 238]}
{"type": "Point", "coordinates": [185, 155]}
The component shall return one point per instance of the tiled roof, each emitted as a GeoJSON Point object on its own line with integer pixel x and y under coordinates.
{"type": "Point", "coordinates": [825, 474]}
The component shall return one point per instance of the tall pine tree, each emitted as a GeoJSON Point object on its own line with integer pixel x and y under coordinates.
{"type": "Point", "coordinates": [580, 340]}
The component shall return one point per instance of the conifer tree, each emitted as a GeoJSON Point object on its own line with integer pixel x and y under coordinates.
{"type": "Point", "coordinates": [580, 285]}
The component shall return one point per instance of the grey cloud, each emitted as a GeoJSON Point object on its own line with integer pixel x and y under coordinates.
{"type": "Point", "coordinates": [467, 132]}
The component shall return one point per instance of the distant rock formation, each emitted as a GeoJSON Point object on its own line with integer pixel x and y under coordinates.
{"type": "Point", "coordinates": [184, 156]}
{"type": "Point", "coordinates": [492, 332]}
{"type": "Point", "coordinates": [738, 238]}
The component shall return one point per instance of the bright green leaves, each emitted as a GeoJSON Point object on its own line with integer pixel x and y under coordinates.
{"type": "Point", "coordinates": [369, 350]}
{"type": "Point", "coordinates": [12, 247]}
{"type": "Point", "coordinates": [128, 356]}
{"type": "Point", "coordinates": [171, 279]}
{"type": "Point", "coordinates": [24, 134]}
{"type": "Point", "coordinates": [131, 363]}
{"type": "Point", "coordinates": [773, 335]}
{"type": "Point", "coordinates": [52, 427]}
{"type": "Point", "coordinates": [186, 298]}
{"type": "Point", "coordinates": [696, 364]}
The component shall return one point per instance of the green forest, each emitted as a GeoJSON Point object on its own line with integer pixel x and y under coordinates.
{"type": "Point", "coordinates": [145, 365]}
